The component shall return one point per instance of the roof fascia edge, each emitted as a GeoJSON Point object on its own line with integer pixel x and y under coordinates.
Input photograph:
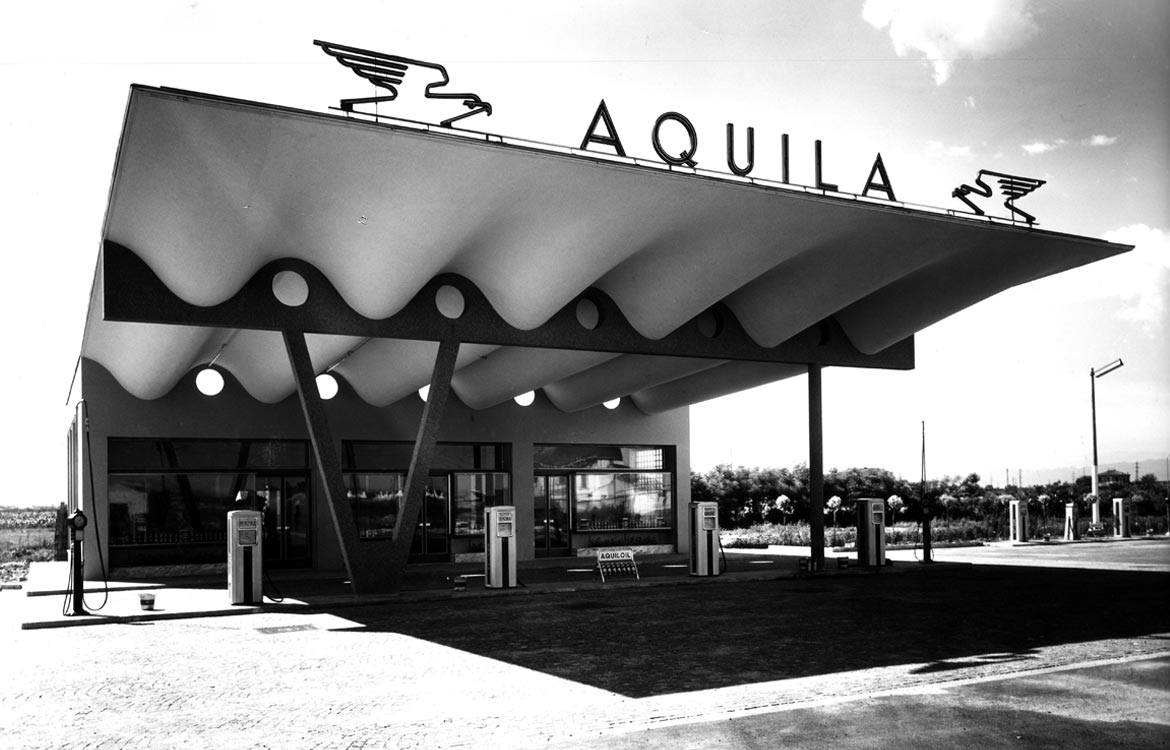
{"type": "Point", "coordinates": [132, 292]}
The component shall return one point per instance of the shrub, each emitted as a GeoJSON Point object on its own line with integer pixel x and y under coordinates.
{"type": "Point", "coordinates": [797, 534]}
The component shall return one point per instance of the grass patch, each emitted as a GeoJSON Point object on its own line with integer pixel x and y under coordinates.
{"type": "Point", "coordinates": [26, 536]}
{"type": "Point", "coordinates": [28, 545]}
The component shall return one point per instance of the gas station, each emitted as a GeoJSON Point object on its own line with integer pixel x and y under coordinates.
{"type": "Point", "coordinates": [335, 342]}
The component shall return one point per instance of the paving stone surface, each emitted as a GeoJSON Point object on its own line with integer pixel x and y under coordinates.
{"type": "Point", "coordinates": [381, 676]}
{"type": "Point", "coordinates": [283, 680]}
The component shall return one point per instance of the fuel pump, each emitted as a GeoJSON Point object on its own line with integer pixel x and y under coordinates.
{"type": "Point", "coordinates": [704, 538]}
{"type": "Point", "coordinates": [499, 544]}
{"type": "Point", "coordinates": [1070, 522]}
{"type": "Point", "coordinates": [1018, 521]}
{"type": "Point", "coordinates": [245, 556]}
{"type": "Point", "coordinates": [871, 532]}
{"type": "Point", "coordinates": [77, 524]}
{"type": "Point", "coordinates": [1121, 517]}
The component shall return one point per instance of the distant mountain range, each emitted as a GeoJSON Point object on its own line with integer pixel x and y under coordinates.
{"type": "Point", "coordinates": [1146, 464]}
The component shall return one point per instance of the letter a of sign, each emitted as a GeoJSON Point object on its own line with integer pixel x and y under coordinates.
{"type": "Point", "coordinates": [605, 140]}
{"type": "Point", "coordinates": [882, 187]}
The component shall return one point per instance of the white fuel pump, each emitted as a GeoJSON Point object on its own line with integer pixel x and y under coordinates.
{"type": "Point", "coordinates": [704, 539]}
{"type": "Point", "coordinates": [245, 556]}
{"type": "Point", "coordinates": [1070, 521]}
{"type": "Point", "coordinates": [871, 532]}
{"type": "Point", "coordinates": [1121, 517]}
{"type": "Point", "coordinates": [499, 544]}
{"type": "Point", "coordinates": [1018, 521]}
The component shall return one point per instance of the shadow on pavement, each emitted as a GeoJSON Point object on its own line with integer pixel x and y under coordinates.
{"type": "Point", "coordinates": [904, 722]}
{"type": "Point", "coordinates": [946, 666]}
{"type": "Point", "coordinates": [665, 639]}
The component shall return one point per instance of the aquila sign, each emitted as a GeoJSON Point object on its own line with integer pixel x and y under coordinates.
{"type": "Point", "coordinates": [389, 72]}
{"type": "Point", "coordinates": [686, 157]}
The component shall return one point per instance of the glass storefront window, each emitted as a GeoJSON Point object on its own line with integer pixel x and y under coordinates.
{"type": "Point", "coordinates": [377, 456]}
{"type": "Point", "coordinates": [391, 456]}
{"type": "Point", "coordinates": [622, 500]}
{"type": "Point", "coordinates": [474, 492]}
{"type": "Point", "coordinates": [374, 499]}
{"type": "Point", "coordinates": [599, 457]}
{"type": "Point", "coordinates": [179, 508]}
{"type": "Point", "coordinates": [145, 454]}
{"type": "Point", "coordinates": [272, 454]}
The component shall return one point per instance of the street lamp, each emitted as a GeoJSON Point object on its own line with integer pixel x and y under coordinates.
{"type": "Point", "coordinates": [1093, 375]}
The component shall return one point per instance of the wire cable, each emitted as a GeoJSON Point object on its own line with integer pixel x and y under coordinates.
{"type": "Point", "coordinates": [96, 525]}
{"type": "Point", "coordinates": [277, 596]}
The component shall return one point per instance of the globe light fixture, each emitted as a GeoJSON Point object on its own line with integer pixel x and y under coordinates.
{"type": "Point", "coordinates": [326, 385]}
{"type": "Point", "coordinates": [209, 381]}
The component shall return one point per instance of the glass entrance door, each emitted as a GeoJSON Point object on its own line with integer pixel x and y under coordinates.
{"type": "Point", "coordinates": [550, 496]}
{"type": "Point", "coordinates": [430, 536]}
{"type": "Point", "coordinates": [284, 500]}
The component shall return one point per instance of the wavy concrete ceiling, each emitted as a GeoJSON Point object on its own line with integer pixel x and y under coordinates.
{"type": "Point", "coordinates": [207, 191]}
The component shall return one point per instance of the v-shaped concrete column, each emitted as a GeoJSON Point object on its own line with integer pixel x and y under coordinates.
{"type": "Point", "coordinates": [377, 564]}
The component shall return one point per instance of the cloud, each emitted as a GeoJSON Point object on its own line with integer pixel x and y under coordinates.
{"type": "Point", "coordinates": [945, 31]}
{"type": "Point", "coordinates": [1041, 147]}
{"type": "Point", "coordinates": [1100, 140]}
{"type": "Point", "coordinates": [1138, 280]}
{"type": "Point", "coordinates": [1143, 275]}
{"type": "Point", "coordinates": [969, 103]}
{"type": "Point", "coordinates": [1035, 148]}
{"type": "Point", "coordinates": [938, 148]}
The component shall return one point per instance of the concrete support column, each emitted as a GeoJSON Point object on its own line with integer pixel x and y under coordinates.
{"type": "Point", "coordinates": [816, 470]}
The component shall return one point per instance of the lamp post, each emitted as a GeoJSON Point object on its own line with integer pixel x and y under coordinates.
{"type": "Point", "coordinates": [1095, 373]}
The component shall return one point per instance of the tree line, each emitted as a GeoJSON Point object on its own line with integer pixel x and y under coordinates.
{"type": "Point", "coordinates": [748, 496]}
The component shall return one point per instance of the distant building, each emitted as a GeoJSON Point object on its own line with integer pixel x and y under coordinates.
{"type": "Point", "coordinates": [1112, 479]}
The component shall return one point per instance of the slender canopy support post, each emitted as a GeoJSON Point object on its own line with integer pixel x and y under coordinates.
{"type": "Point", "coordinates": [325, 452]}
{"type": "Point", "coordinates": [816, 470]}
{"type": "Point", "coordinates": [420, 459]}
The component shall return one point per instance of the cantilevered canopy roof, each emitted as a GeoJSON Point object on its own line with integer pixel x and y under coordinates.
{"type": "Point", "coordinates": [211, 195]}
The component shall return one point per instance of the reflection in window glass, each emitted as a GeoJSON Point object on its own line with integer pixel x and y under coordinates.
{"type": "Point", "coordinates": [265, 454]}
{"type": "Point", "coordinates": [153, 509]}
{"type": "Point", "coordinates": [474, 492]}
{"type": "Point", "coordinates": [623, 501]}
{"type": "Point", "coordinates": [374, 500]}
{"type": "Point", "coordinates": [598, 457]}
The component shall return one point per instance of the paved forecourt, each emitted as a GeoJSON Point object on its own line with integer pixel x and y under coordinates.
{"type": "Point", "coordinates": [287, 680]}
{"type": "Point", "coordinates": [1133, 554]}
{"type": "Point", "coordinates": [352, 678]}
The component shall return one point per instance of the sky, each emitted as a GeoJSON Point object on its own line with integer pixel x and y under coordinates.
{"type": "Point", "coordinates": [1075, 93]}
